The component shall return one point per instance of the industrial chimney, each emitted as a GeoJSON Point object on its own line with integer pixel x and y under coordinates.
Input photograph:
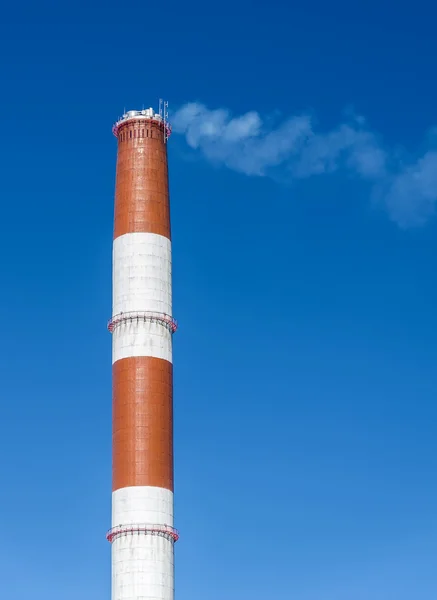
{"type": "Point", "coordinates": [142, 533]}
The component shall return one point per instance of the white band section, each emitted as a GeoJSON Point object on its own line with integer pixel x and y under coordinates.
{"type": "Point", "coordinates": [141, 338]}
{"type": "Point", "coordinates": [142, 565]}
{"type": "Point", "coordinates": [142, 504]}
{"type": "Point", "coordinates": [142, 568]}
{"type": "Point", "coordinates": [141, 273]}
{"type": "Point", "coordinates": [141, 284]}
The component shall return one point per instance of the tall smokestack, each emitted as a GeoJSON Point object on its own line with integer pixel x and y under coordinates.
{"type": "Point", "coordinates": [142, 325]}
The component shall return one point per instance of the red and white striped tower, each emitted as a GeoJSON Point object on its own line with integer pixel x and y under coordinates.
{"type": "Point", "coordinates": [142, 325]}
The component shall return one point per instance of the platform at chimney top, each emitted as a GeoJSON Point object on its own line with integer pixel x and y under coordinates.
{"type": "Point", "coordinates": [148, 114]}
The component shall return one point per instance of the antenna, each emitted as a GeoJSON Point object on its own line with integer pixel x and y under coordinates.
{"type": "Point", "coordinates": [166, 126]}
{"type": "Point", "coordinates": [163, 113]}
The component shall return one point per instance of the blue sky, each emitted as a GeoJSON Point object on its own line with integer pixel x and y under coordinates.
{"type": "Point", "coordinates": [305, 290]}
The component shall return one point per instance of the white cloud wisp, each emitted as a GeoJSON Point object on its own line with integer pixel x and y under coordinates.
{"type": "Point", "coordinates": [259, 147]}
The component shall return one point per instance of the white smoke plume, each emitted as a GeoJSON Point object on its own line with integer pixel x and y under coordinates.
{"type": "Point", "coordinates": [260, 147]}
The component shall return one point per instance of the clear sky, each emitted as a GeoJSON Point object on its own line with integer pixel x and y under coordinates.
{"type": "Point", "coordinates": [303, 182]}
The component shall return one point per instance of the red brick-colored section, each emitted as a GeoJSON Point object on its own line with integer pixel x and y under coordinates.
{"type": "Point", "coordinates": [141, 188]}
{"type": "Point", "coordinates": [142, 429]}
